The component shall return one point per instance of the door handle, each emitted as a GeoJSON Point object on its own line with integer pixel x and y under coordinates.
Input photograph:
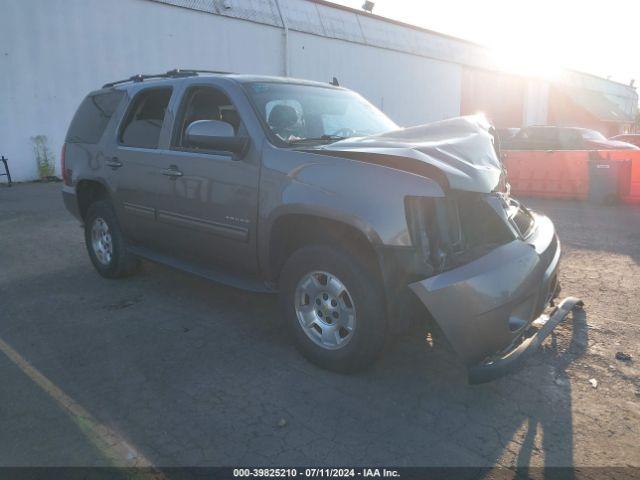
{"type": "Point", "coordinates": [172, 172]}
{"type": "Point", "coordinates": [114, 163]}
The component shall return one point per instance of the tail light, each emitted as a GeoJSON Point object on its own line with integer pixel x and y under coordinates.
{"type": "Point", "coordinates": [66, 174]}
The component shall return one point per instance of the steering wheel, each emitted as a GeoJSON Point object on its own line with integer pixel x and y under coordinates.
{"type": "Point", "coordinates": [344, 132]}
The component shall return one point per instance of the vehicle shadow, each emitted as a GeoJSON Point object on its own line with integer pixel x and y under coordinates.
{"type": "Point", "coordinates": [554, 421]}
{"type": "Point", "coordinates": [197, 374]}
{"type": "Point", "coordinates": [523, 420]}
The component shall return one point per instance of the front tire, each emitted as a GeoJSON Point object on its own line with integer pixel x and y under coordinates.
{"type": "Point", "coordinates": [105, 242]}
{"type": "Point", "coordinates": [334, 307]}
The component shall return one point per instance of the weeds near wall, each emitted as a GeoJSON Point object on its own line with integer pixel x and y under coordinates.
{"type": "Point", "coordinates": [45, 158]}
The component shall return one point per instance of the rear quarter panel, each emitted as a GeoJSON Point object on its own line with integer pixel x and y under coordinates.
{"type": "Point", "coordinates": [87, 161]}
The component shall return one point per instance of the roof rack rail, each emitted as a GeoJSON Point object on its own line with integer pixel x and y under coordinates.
{"type": "Point", "coordinates": [175, 73]}
{"type": "Point", "coordinates": [179, 71]}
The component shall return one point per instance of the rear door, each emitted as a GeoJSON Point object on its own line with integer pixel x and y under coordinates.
{"type": "Point", "coordinates": [135, 164]}
{"type": "Point", "coordinates": [207, 209]}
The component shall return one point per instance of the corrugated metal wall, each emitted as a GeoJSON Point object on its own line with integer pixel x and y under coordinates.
{"type": "Point", "coordinates": [319, 18]}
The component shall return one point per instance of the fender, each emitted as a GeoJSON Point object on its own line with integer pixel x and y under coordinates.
{"type": "Point", "coordinates": [368, 197]}
{"type": "Point", "coordinates": [88, 167]}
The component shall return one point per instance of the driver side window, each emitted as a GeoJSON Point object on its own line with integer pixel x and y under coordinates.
{"type": "Point", "coordinates": [204, 103]}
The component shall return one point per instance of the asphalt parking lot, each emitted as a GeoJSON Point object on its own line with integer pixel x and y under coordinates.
{"type": "Point", "coordinates": [167, 369]}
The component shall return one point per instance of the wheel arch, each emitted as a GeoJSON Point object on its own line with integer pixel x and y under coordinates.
{"type": "Point", "coordinates": [293, 230]}
{"type": "Point", "coordinates": [89, 191]}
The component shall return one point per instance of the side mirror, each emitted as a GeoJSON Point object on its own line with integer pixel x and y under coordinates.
{"type": "Point", "coordinates": [214, 135]}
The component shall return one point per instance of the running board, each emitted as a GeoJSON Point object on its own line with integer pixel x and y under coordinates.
{"type": "Point", "coordinates": [213, 274]}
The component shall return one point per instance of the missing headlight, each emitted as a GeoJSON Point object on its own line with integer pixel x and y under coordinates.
{"type": "Point", "coordinates": [427, 222]}
{"type": "Point", "coordinates": [454, 230]}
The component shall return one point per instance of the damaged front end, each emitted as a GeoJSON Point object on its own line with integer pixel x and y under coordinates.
{"type": "Point", "coordinates": [483, 265]}
{"type": "Point", "coordinates": [493, 270]}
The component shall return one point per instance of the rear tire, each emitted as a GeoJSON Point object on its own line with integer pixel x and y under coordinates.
{"type": "Point", "coordinates": [334, 307]}
{"type": "Point", "coordinates": [105, 242]}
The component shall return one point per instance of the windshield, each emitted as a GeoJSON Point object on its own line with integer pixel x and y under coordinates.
{"type": "Point", "coordinates": [303, 113]}
{"type": "Point", "coordinates": [592, 135]}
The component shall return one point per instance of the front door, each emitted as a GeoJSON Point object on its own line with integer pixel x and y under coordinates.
{"type": "Point", "coordinates": [207, 207]}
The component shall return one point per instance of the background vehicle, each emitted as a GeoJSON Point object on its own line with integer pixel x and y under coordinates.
{"type": "Point", "coordinates": [507, 133]}
{"type": "Point", "coordinates": [306, 189]}
{"type": "Point", "coordinates": [561, 138]}
{"type": "Point", "coordinates": [632, 138]}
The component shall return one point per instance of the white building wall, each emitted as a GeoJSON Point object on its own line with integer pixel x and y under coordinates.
{"type": "Point", "coordinates": [409, 89]}
{"type": "Point", "coordinates": [56, 51]}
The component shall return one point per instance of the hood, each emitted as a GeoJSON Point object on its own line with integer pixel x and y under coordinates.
{"type": "Point", "coordinates": [459, 149]}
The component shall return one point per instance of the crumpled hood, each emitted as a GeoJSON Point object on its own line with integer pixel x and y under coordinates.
{"type": "Point", "coordinates": [461, 148]}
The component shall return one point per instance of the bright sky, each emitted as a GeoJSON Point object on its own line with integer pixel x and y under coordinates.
{"type": "Point", "coordinates": [593, 36]}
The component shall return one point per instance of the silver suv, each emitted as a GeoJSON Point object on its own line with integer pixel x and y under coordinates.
{"type": "Point", "coordinates": [306, 189]}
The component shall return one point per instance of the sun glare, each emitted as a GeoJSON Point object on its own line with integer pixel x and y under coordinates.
{"type": "Point", "coordinates": [527, 60]}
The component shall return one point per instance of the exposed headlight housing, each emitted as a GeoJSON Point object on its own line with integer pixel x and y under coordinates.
{"type": "Point", "coordinates": [422, 221]}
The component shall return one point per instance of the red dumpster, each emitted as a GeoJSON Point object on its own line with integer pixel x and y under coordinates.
{"type": "Point", "coordinates": [548, 174]}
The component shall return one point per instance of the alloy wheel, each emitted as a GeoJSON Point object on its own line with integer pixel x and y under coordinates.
{"type": "Point", "coordinates": [101, 241]}
{"type": "Point", "coordinates": [325, 310]}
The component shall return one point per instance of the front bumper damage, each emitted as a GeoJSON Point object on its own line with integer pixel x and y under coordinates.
{"type": "Point", "coordinates": [512, 359]}
{"type": "Point", "coordinates": [485, 308]}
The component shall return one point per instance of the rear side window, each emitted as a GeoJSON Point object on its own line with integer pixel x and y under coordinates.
{"type": "Point", "coordinates": [143, 123]}
{"type": "Point", "coordinates": [92, 117]}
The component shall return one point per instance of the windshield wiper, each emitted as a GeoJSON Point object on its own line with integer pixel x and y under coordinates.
{"type": "Point", "coordinates": [322, 138]}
